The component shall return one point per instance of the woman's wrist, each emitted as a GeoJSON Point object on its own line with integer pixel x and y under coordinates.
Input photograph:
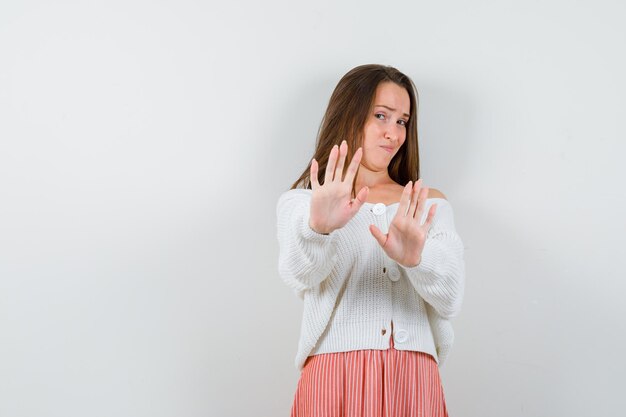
{"type": "Point", "coordinates": [319, 231]}
{"type": "Point", "coordinates": [413, 264]}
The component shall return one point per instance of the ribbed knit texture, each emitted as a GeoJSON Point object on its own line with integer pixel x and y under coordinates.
{"type": "Point", "coordinates": [352, 290]}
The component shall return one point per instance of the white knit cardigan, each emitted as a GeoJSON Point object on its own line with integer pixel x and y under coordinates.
{"type": "Point", "coordinates": [352, 291]}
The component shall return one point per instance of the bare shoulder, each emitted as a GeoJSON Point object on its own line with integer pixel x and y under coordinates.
{"type": "Point", "coordinates": [435, 193]}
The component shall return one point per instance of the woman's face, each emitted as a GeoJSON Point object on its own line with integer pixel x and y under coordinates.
{"type": "Point", "coordinates": [385, 128]}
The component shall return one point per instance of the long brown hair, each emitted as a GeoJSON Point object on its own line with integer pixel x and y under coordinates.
{"type": "Point", "coordinates": [348, 109]}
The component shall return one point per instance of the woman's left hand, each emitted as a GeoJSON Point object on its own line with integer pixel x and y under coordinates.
{"type": "Point", "coordinates": [405, 238]}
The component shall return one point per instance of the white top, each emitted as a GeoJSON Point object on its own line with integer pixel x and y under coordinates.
{"type": "Point", "coordinates": [352, 290]}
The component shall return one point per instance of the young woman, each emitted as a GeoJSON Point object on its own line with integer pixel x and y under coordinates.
{"type": "Point", "coordinates": [381, 270]}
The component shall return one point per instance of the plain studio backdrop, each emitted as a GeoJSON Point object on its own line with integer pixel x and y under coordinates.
{"type": "Point", "coordinates": [143, 147]}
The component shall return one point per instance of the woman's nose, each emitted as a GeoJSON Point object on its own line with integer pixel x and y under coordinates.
{"type": "Point", "coordinates": [393, 132]}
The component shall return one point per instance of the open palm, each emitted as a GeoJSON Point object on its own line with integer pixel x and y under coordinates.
{"type": "Point", "coordinates": [405, 239]}
{"type": "Point", "coordinates": [331, 203]}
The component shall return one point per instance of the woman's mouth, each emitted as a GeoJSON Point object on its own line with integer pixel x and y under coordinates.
{"type": "Point", "coordinates": [388, 148]}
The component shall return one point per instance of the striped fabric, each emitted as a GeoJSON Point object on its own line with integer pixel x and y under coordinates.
{"type": "Point", "coordinates": [370, 383]}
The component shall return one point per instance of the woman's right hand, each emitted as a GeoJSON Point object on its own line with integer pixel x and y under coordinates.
{"type": "Point", "coordinates": [331, 204]}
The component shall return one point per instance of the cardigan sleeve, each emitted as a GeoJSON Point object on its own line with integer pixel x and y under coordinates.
{"type": "Point", "coordinates": [443, 334]}
{"type": "Point", "coordinates": [306, 257]}
{"type": "Point", "coordinates": [439, 278]}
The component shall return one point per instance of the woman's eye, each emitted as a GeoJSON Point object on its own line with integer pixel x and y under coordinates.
{"type": "Point", "coordinates": [379, 116]}
{"type": "Point", "coordinates": [402, 122]}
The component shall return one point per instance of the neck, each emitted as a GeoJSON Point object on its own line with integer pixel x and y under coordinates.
{"type": "Point", "coordinates": [371, 178]}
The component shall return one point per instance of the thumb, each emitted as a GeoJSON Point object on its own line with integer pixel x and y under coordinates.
{"type": "Point", "coordinates": [361, 196]}
{"type": "Point", "coordinates": [380, 237]}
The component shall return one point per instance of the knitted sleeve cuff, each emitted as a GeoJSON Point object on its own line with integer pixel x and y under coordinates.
{"type": "Point", "coordinates": [432, 256]}
{"type": "Point", "coordinates": [310, 235]}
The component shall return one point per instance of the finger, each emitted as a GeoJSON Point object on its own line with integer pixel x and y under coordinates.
{"type": "Point", "coordinates": [343, 150]}
{"type": "Point", "coordinates": [330, 167]}
{"type": "Point", "coordinates": [360, 198]}
{"type": "Point", "coordinates": [313, 174]}
{"type": "Point", "coordinates": [380, 237]}
{"type": "Point", "coordinates": [431, 215]}
{"type": "Point", "coordinates": [405, 199]}
{"type": "Point", "coordinates": [414, 199]}
{"type": "Point", "coordinates": [422, 196]}
{"type": "Point", "coordinates": [354, 166]}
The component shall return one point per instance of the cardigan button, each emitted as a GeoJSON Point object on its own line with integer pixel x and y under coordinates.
{"type": "Point", "coordinates": [401, 336]}
{"type": "Point", "coordinates": [379, 209]}
{"type": "Point", "coordinates": [394, 274]}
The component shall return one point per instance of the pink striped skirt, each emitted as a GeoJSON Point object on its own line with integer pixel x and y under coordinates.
{"type": "Point", "coordinates": [370, 383]}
